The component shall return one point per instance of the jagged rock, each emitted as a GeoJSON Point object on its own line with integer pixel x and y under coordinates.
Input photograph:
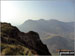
{"type": "Point", "coordinates": [12, 37]}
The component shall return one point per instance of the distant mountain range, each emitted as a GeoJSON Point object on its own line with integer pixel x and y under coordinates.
{"type": "Point", "coordinates": [52, 26]}
{"type": "Point", "coordinates": [49, 30]}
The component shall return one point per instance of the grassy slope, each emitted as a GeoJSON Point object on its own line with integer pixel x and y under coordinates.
{"type": "Point", "coordinates": [8, 49]}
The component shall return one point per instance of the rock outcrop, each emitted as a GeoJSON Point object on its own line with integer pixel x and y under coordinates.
{"type": "Point", "coordinates": [21, 43]}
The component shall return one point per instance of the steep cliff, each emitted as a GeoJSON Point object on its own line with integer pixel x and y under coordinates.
{"type": "Point", "coordinates": [15, 42]}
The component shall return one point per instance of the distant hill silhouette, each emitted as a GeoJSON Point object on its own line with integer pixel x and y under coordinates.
{"type": "Point", "coordinates": [53, 26]}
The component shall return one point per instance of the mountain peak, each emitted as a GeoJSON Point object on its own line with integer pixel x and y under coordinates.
{"type": "Point", "coordinates": [54, 20]}
{"type": "Point", "coordinates": [42, 19]}
{"type": "Point", "coordinates": [29, 20]}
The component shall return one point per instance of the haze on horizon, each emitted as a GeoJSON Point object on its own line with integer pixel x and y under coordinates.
{"type": "Point", "coordinates": [16, 12]}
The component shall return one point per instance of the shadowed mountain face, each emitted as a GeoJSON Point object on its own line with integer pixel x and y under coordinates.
{"type": "Point", "coordinates": [14, 42]}
{"type": "Point", "coordinates": [49, 30]}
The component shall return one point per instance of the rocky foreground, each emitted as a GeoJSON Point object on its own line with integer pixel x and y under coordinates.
{"type": "Point", "coordinates": [15, 42]}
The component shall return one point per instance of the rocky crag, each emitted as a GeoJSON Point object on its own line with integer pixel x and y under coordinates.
{"type": "Point", "coordinates": [15, 42]}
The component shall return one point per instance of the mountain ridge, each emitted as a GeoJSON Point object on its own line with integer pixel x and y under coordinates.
{"type": "Point", "coordinates": [46, 22]}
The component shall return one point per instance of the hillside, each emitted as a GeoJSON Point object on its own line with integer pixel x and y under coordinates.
{"type": "Point", "coordinates": [48, 29]}
{"type": "Point", "coordinates": [15, 42]}
{"type": "Point", "coordinates": [58, 42]}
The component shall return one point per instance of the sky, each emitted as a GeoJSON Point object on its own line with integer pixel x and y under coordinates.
{"type": "Point", "coordinates": [16, 12]}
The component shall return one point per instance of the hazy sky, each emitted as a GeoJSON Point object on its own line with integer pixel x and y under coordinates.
{"type": "Point", "coordinates": [16, 12]}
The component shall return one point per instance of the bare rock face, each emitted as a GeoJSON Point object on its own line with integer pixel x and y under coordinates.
{"type": "Point", "coordinates": [10, 35]}
{"type": "Point", "coordinates": [33, 41]}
